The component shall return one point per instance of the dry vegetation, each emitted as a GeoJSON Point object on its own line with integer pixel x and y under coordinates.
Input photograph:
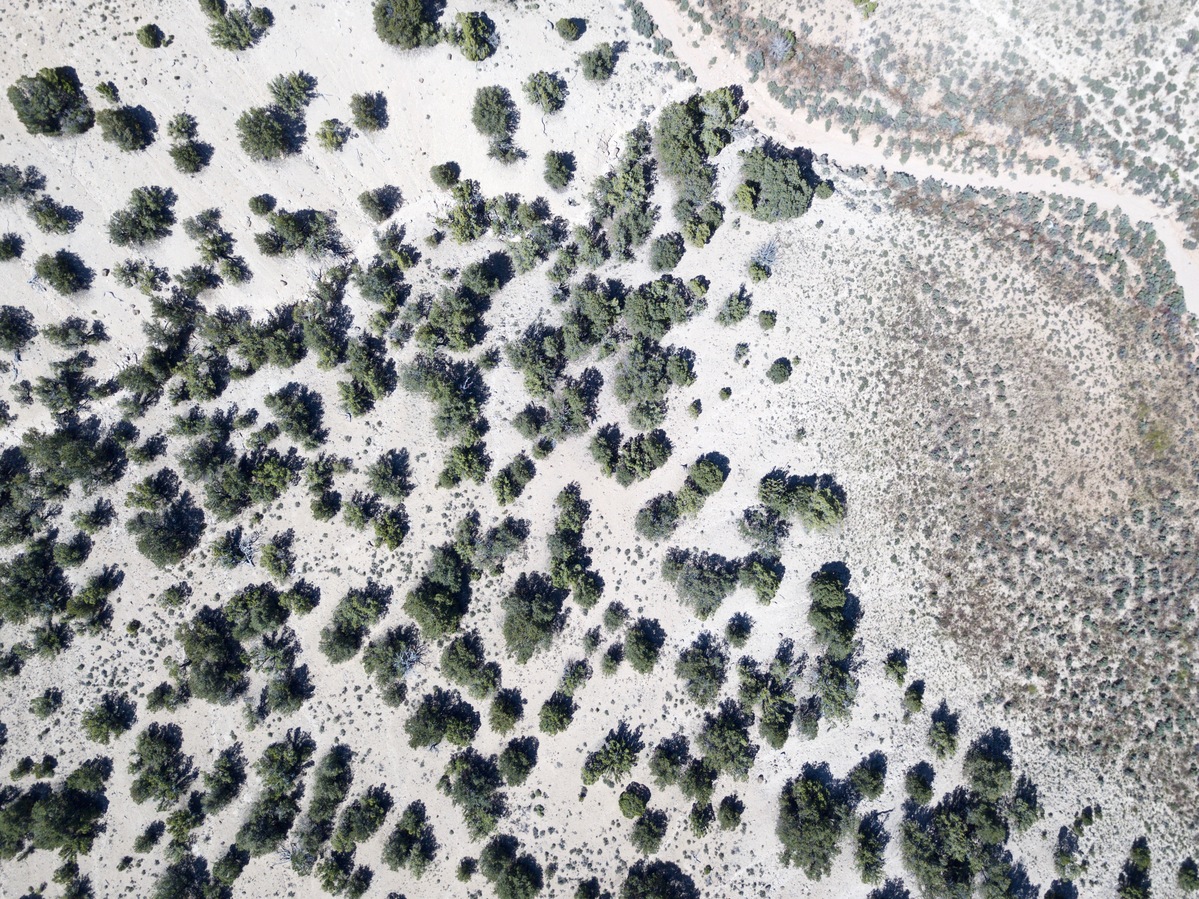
{"type": "Point", "coordinates": [552, 485]}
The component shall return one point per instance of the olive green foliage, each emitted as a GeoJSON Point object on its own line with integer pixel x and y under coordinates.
{"type": "Point", "coordinates": [507, 708]}
{"type": "Point", "coordinates": [943, 732]}
{"type": "Point", "coordinates": [407, 24]}
{"type": "Point", "coordinates": [829, 615]}
{"type": "Point", "coordinates": [599, 63]}
{"type": "Point", "coordinates": [16, 328]}
{"type": "Point", "coordinates": [151, 36]}
{"type": "Point", "coordinates": [702, 580]}
{"type": "Point", "coordinates": [272, 813]}
{"type": "Point", "coordinates": [532, 615]}
{"type": "Point", "coordinates": [724, 740]}
{"type": "Point", "coordinates": [546, 90]}
{"type": "Point", "coordinates": [655, 307]}
{"type": "Point", "coordinates": [361, 819]}
{"type": "Point", "coordinates": [812, 819]}
{"type": "Point", "coordinates": [643, 644]}
{"type": "Point", "coordinates": [702, 668]}
{"type": "Point", "coordinates": [780, 370]}
{"type": "Point", "coordinates": [870, 842]}
{"type": "Point", "coordinates": [1188, 875]}
{"type": "Point", "coordinates": [161, 770]}
{"type": "Point", "coordinates": [660, 516]}
{"type": "Point", "coordinates": [776, 184]}
{"type": "Point", "coordinates": [818, 503]}
{"type": "Point", "coordinates": [634, 800]}
{"type": "Point", "coordinates": [65, 818]}
{"type": "Point", "coordinates": [918, 782]}
{"type": "Point", "coordinates": [441, 597]}
{"type": "Point", "coordinates": [648, 831]}
{"type": "Point", "coordinates": [494, 116]}
{"type": "Point", "coordinates": [357, 612]}
{"type": "Point", "coordinates": [147, 217]}
{"type": "Point", "coordinates": [305, 230]}
{"type": "Point", "coordinates": [658, 880]}
{"type": "Point", "coordinates": [688, 136]}
{"type": "Point", "coordinates": [474, 34]}
{"type": "Point", "coordinates": [224, 782]}
{"type": "Point", "coordinates": [621, 198]}
{"type": "Point", "coordinates": [616, 756]}
{"type": "Point", "coordinates": [570, 559]}
{"type": "Point", "coordinates": [412, 844]}
{"type": "Point", "coordinates": [64, 272]}
{"type": "Point", "coordinates": [463, 662]}
{"type": "Point", "coordinates": [442, 714]}
{"type": "Point", "coordinates": [556, 713]}
{"type": "Point", "coordinates": [559, 169]}
{"type": "Point", "coordinates": [52, 217]}
{"type": "Point", "coordinates": [262, 204]}
{"type": "Point", "coordinates": [473, 783]}
{"type": "Point", "coordinates": [236, 29]}
{"type": "Point", "coordinates": [518, 760]}
{"type": "Point", "coordinates": [11, 246]}
{"type": "Point", "coordinates": [568, 29]}
{"type": "Point", "coordinates": [445, 174]}
{"type": "Point", "coordinates": [51, 102]}
{"type": "Point", "coordinates": [114, 714]}
{"type": "Point", "coordinates": [272, 132]}
{"type": "Point", "coordinates": [129, 128]}
{"type": "Point", "coordinates": [217, 661]}
{"type": "Point", "coordinates": [369, 111]}
{"type": "Point", "coordinates": [189, 154]}
{"type": "Point", "coordinates": [333, 134]}
{"type": "Point", "coordinates": [512, 873]}
{"type": "Point", "coordinates": [389, 659]}
{"type": "Point", "coordinates": [510, 481]}
{"type": "Point", "coordinates": [634, 460]}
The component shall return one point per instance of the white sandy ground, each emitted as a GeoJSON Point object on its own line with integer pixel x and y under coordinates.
{"type": "Point", "coordinates": [429, 94]}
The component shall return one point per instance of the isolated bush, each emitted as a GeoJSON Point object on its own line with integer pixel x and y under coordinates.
{"type": "Point", "coordinates": [780, 370]}
{"type": "Point", "coordinates": [507, 708]}
{"type": "Point", "coordinates": [463, 662]}
{"type": "Point", "coordinates": [568, 29]}
{"type": "Point", "coordinates": [411, 844]}
{"type": "Point", "coordinates": [643, 644]}
{"type": "Point", "coordinates": [130, 129]}
{"type": "Point", "coordinates": [407, 24]}
{"type": "Point", "coordinates": [658, 880]}
{"type": "Point", "coordinates": [148, 216]}
{"type": "Point", "coordinates": [64, 271]}
{"type": "Point", "coordinates": [518, 760]}
{"type": "Point", "coordinates": [811, 822]}
{"type": "Point", "coordinates": [776, 185]}
{"type": "Point", "coordinates": [333, 134]}
{"type": "Point", "coordinates": [546, 90]}
{"type": "Point", "coordinates": [52, 217]}
{"type": "Point", "coordinates": [532, 615]}
{"type": "Point", "coordinates": [51, 102]}
{"type": "Point", "coordinates": [556, 713]}
{"type": "Point", "coordinates": [513, 874]}
{"type": "Point", "coordinates": [616, 756]}
{"type": "Point", "coordinates": [598, 64]}
{"type": "Point", "coordinates": [445, 175]}
{"type": "Point", "coordinates": [701, 668]}
{"type": "Point", "coordinates": [265, 133]}
{"type": "Point", "coordinates": [648, 831]}
{"type": "Point", "coordinates": [150, 36]}
{"type": "Point", "coordinates": [494, 116]}
{"type": "Point", "coordinates": [262, 204]}
{"type": "Point", "coordinates": [473, 783]}
{"type": "Point", "coordinates": [559, 169]}
{"type": "Point", "coordinates": [114, 714]}
{"type": "Point", "coordinates": [369, 111]}
{"type": "Point", "coordinates": [16, 328]}
{"type": "Point", "coordinates": [357, 612]}
{"type": "Point", "coordinates": [237, 29]}
{"type": "Point", "coordinates": [11, 246]}
{"type": "Point", "coordinates": [474, 35]}
{"type": "Point", "coordinates": [379, 204]}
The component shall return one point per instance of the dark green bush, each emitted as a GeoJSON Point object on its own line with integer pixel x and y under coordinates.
{"type": "Point", "coordinates": [147, 217]}
{"type": "Point", "coordinates": [11, 246]}
{"type": "Point", "coordinates": [64, 271]}
{"type": "Point", "coordinates": [474, 34]}
{"type": "Point", "coordinates": [598, 64]}
{"type": "Point", "coordinates": [569, 29]}
{"type": "Point", "coordinates": [151, 36]}
{"type": "Point", "coordinates": [666, 252]}
{"type": "Point", "coordinates": [52, 102]}
{"type": "Point", "coordinates": [129, 128]}
{"type": "Point", "coordinates": [407, 24]}
{"type": "Point", "coordinates": [559, 169]}
{"type": "Point", "coordinates": [369, 111]}
{"type": "Point", "coordinates": [52, 217]}
{"type": "Point", "coordinates": [546, 90]}
{"type": "Point", "coordinates": [445, 175]}
{"type": "Point", "coordinates": [494, 116]}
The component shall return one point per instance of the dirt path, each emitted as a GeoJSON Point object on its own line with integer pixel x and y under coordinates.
{"type": "Point", "coordinates": [792, 128]}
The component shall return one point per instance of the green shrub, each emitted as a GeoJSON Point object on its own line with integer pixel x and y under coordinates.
{"type": "Point", "coordinates": [776, 185]}
{"type": "Point", "coordinates": [648, 831]}
{"type": "Point", "coordinates": [474, 34]}
{"type": "Point", "coordinates": [262, 204]}
{"type": "Point", "coordinates": [546, 90]}
{"type": "Point", "coordinates": [147, 217]}
{"type": "Point", "coordinates": [11, 246]}
{"type": "Point", "coordinates": [666, 252]}
{"type": "Point", "coordinates": [266, 133]}
{"type": "Point", "coordinates": [333, 134]}
{"type": "Point", "coordinates": [918, 783]}
{"type": "Point", "coordinates": [442, 714]}
{"type": "Point", "coordinates": [108, 91]}
{"type": "Point", "coordinates": [616, 756]}
{"type": "Point", "coordinates": [64, 271]}
{"type": "Point", "coordinates": [532, 615]}
{"type": "Point", "coordinates": [445, 175]}
{"type": "Point", "coordinates": [411, 844]}
{"type": "Point", "coordinates": [236, 30]}
{"type": "Point", "coordinates": [598, 64]}
{"type": "Point", "coordinates": [507, 708]}
{"type": "Point", "coordinates": [811, 822]}
{"type": "Point", "coordinates": [518, 759]}
{"type": "Point", "coordinates": [701, 668]}
{"type": "Point", "coordinates": [130, 129]}
{"type": "Point", "coordinates": [634, 800]}
{"type": "Point", "coordinates": [52, 217]}
{"type": "Point", "coordinates": [151, 36]}
{"type": "Point", "coordinates": [559, 169]}
{"type": "Point", "coordinates": [780, 370]}
{"type": "Point", "coordinates": [369, 111]}
{"type": "Point", "coordinates": [643, 644]}
{"type": "Point", "coordinates": [379, 204]}
{"type": "Point", "coordinates": [494, 116]}
{"type": "Point", "coordinates": [407, 24]}
{"type": "Point", "coordinates": [569, 29]}
{"type": "Point", "coordinates": [52, 102]}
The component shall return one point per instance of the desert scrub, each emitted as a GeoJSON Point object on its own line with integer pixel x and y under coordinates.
{"type": "Point", "coordinates": [569, 29]}
{"type": "Point", "coordinates": [598, 64]}
{"type": "Point", "coordinates": [333, 134]}
{"type": "Point", "coordinates": [559, 169]}
{"type": "Point", "coordinates": [52, 102]}
{"type": "Point", "coordinates": [369, 111]}
{"type": "Point", "coordinates": [546, 90]}
{"type": "Point", "coordinates": [151, 36]}
{"type": "Point", "coordinates": [495, 117]}
{"type": "Point", "coordinates": [64, 271]}
{"type": "Point", "coordinates": [474, 35]}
